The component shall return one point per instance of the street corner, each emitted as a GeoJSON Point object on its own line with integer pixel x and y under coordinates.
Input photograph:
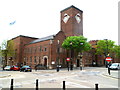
{"type": "Point", "coordinates": [4, 75]}
{"type": "Point", "coordinates": [112, 74]}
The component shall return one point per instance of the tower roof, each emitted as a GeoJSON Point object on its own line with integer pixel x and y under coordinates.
{"type": "Point", "coordinates": [72, 6]}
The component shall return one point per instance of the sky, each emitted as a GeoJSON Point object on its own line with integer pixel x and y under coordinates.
{"type": "Point", "coordinates": [41, 18]}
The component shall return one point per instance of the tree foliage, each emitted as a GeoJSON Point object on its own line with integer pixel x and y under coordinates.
{"type": "Point", "coordinates": [117, 51]}
{"type": "Point", "coordinates": [7, 50]}
{"type": "Point", "coordinates": [105, 47]}
{"type": "Point", "coordinates": [7, 47]}
{"type": "Point", "coordinates": [78, 43]}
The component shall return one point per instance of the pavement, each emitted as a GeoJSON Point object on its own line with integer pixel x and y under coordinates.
{"type": "Point", "coordinates": [113, 73]}
{"type": "Point", "coordinates": [3, 75]}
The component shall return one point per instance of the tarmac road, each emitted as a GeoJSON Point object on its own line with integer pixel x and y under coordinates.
{"type": "Point", "coordinates": [87, 78]}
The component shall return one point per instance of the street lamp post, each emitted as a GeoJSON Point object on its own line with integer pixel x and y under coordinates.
{"type": "Point", "coordinates": [58, 52]}
{"type": "Point", "coordinates": [80, 63]}
{"type": "Point", "coordinates": [71, 63]}
{"type": "Point", "coordinates": [106, 52]}
{"type": "Point", "coordinates": [68, 59]}
{"type": "Point", "coordinates": [81, 43]}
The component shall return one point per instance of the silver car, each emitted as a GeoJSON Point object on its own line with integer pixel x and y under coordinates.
{"type": "Point", "coordinates": [7, 68]}
{"type": "Point", "coordinates": [115, 66]}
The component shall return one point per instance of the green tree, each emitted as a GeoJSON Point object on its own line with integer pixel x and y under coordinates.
{"type": "Point", "coordinates": [105, 47]}
{"type": "Point", "coordinates": [7, 50]}
{"type": "Point", "coordinates": [78, 43]}
{"type": "Point", "coordinates": [117, 51]}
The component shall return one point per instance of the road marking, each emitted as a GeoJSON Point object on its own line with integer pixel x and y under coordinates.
{"type": "Point", "coordinates": [75, 85]}
{"type": "Point", "coordinates": [110, 77]}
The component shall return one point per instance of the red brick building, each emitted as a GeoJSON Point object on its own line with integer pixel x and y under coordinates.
{"type": "Point", "coordinates": [48, 51]}
{"type": "Point", "coordinates": [98, 59]}
{"type": "Point", "coordinates": [19, 43]}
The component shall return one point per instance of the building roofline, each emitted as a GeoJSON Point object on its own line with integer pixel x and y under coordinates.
{"type": "Point", "coordinates": [50, 37]}
{"type": "Point", "coordinates": [72, 6]}
{"type": "Point", "coordinates": [24, 36]}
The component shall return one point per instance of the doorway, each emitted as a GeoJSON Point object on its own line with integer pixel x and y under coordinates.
{"type": "Point", "coordinates": [45, 61]}
{"type": "Point", "coordinates": [78, 62]}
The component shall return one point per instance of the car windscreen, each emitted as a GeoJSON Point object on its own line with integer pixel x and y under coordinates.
{"type": "Point", "coordinates": [7, 66]}
{"type": "Point", "coordinates": [114, 65]}
{"type": "Point", "coordinates": [15, 66]}
{"type": "Point", "coordinates": [25, 67]}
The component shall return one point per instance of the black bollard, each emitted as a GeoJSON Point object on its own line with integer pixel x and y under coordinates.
{"type": "Point", "coordinates": [68, 68]}
{"type": "Point", "coordinates": [57, 68]}
{"type": "Point", "coordinates": [71, 67]}
{"type": "Point", "coordinates": [96, 86]}
{"type": "Point", "coordinates": [36, 84]}
{"type": "Point", "coordinates": [63, 85]}
{"type": "Point", "coordinates": [11, 88]}
{"type": "Point", "coordinates": [80, 68]}
{"type": "Point", "coordinates": [108, 70]}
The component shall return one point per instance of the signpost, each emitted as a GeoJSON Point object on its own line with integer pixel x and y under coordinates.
{"type": "Point", "coordinates": [108, 59]}
{"type": "Point", "coordinates": [68, 59]}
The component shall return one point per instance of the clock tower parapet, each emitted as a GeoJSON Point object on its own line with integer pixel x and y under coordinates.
{"type": "Point", "coordinates": [72, 21]}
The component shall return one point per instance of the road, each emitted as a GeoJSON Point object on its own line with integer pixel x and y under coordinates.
{"type": "Point", "coordinates": [87, 78]}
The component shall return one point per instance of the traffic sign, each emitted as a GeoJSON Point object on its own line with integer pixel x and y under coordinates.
{"type": "Point", "coordinates": [68, 59]}
{"type": "Point", "coordinates": [108, 59]}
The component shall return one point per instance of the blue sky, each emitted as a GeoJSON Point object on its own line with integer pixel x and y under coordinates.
{"type": "Point", "coordinates": [40, 18]}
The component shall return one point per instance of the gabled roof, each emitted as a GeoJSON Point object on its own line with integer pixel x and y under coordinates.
{"type": "Point", "coordinates": [43, 39]}
{"type": "Point", "coordinates": [71, 7]}
{"type": "Point", "coordinates": [24, 36]}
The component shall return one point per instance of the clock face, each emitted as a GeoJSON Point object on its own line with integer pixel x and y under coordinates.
{"type": "Point", "coordinates": [78, 18]}
{"type": "Point", "coordinates": [66, 17]}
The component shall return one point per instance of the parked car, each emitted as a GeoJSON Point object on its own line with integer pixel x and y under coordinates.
{"type": "Point", "coordinates": [15, 68]}
{"type": "Point", "coordinates": [7, 68]}
{"type": "Point", "coordinates": [26, 69]}
{"type": "Point", "coordinates": [115, 66]}
{"type": "Point", "coordinates": [40, 67]}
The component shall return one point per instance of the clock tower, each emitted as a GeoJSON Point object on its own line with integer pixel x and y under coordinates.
{"type": "Point", "coordinates": [72, 21]}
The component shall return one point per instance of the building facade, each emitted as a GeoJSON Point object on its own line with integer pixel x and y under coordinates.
{"type": "Point", "coordinates": [48, 51]}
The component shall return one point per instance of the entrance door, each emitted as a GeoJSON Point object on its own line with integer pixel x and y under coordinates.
{"type": "Point", "coordinates": [78, 62]}
{"type": "Point", "coordinates": [45, 61]}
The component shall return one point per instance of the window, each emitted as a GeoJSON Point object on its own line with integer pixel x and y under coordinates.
{"type": "Point", "coordinates": [58, 50]}
{"type": "Point", "coordinates": [39, 60]}
{"type": "Point", "coordinates": [35, 59]}
{"type": "Point", "coordinates": [31, 59]}
{"type": "Point", "coordinates": [31, 50]}
{"type": "Point", "coordinates": [35, 49]}
{"type": "Point", "coordinates": [40, 48]}
{"type": "Point", "coordinates": [24, 50]}
{"type": "Point", "coordinates": [45, 49]}
{"type": "Point", "coordinates": [26, 59]}
{"type": "Point", "coordinates": [27, 50]}
{"type": "Point", "coordinates": [63, 61]}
